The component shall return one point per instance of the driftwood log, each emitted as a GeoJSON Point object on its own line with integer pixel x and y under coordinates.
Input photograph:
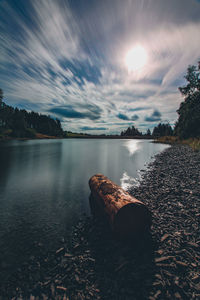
{"type": "Point", "coordinates": [127, 216]}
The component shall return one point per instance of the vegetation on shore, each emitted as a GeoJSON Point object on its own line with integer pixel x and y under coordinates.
{"type": "Point", "coordinates": [194, 143]}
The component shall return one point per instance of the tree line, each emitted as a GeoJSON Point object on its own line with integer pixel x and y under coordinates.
{"type": "Point", "coordinates": [158, 131]}
{"type": "Point", "coordinates": [20, 123]}
{"type": "Point", "coordinates": [188, 123]}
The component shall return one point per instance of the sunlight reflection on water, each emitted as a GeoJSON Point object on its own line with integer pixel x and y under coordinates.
{"type": "Point", "coordinates": [127, 181]}
{"type": "Point", "coordinates": [132, 146]}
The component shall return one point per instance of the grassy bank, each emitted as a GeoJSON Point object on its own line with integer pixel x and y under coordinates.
{"type": "Point", "coordinates": [194, 143]}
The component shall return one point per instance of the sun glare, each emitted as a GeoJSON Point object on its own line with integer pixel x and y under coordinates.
{"type": "Point", "coordinates": [136, 58]}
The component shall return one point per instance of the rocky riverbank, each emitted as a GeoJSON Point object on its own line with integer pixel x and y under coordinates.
{"type": "Point", "coordinates": [91, 265]}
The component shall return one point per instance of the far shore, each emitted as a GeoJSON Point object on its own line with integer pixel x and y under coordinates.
{"type": "Point", "coordinates": [194, 143]}
{"type": "Point", "coordinates": [45, 137]}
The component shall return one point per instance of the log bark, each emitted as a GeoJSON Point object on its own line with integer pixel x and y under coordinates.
{"type": "Point", "coordinates": [127, 216]}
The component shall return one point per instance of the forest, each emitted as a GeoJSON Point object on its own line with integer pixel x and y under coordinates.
{"type": "Point", "coordinates": [19, 123]}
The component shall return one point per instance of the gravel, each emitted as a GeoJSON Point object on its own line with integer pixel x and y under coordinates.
{"type": "Point", "coordinates": [90, 264]}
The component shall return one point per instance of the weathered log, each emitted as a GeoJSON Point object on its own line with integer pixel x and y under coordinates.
{"type": "Point", "coordinates": [127, 216]}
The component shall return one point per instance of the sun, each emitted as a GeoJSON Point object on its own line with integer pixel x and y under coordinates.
{"type": "Point", "coordinates": [136, 58]}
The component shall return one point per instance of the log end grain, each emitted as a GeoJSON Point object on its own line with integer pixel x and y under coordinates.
{"type": "Point", "coordinates": [131, 221]}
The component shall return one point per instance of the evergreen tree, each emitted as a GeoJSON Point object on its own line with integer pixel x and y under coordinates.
{"type": "Point", "coordinates": [1, 96]}
{"type": "Point", "coordinates": [162, 130]}
{"type": "Point", "coordinates": [26, 124]}
{"type": "Point", "coordinates": [148, 133]}
{"type": "Point", "coordinates": [131, 131]}
{"type": "Point", "coordinates": [188, 124]}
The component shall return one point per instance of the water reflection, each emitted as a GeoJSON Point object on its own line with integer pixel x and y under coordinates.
{"type": "Point", "coordinates": [132, 146]}
{"type": "Point", "coordinates": [127, 181]}
{"type": "Point", "coordinates": [44, 186]}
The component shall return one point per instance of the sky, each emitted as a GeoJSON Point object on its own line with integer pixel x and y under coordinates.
{"type": "Point", "coordinates": [68, 59]}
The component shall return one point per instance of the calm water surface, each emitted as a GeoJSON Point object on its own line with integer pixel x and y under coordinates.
{"type": "Point", "coordinates": [44, 186]}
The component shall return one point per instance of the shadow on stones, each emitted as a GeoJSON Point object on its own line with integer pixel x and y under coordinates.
{"type": "Point", "coordinates": [123, 270]}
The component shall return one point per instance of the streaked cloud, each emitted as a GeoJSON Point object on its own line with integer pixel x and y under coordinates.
{"type": "Point", "coordinates": [92, 113]}
{"type": "Point", "coordinates": [126, 118]}
{"type": "Point", "coordinates": [87, 128]}
{"type": "Point", "coordinates": [68, 60]}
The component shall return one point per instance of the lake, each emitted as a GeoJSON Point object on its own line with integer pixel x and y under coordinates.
{"type": "Point", "coordinates": [44, 186]}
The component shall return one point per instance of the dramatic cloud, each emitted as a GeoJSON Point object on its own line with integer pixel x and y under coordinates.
{"type": "Point", "coordinates": [67, 58]}
{"type": "Point", "coordinates": [126, 118]}
{"type": "Point", "coordinates": [155, 117]}
{"type": "Point", "coordinates": [92, 113]}
{"type": "Point", "coordinates": [123, 117]}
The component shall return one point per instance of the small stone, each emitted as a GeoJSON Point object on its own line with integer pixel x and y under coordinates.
{"type": "Point", "coordinates": [181, 263]}
{"type": "Point", "coordinates": [77, 278]}
{"type": "Point", "coordinates": [159, 259]}
{"type": "Point", "coordinates": [61, 288]}
{"type": "Point", "coordinates": [177, 295]}
{"type": "Point", "coordinates": [157, 283]}
{"type": "Point", "coordinates": [158, 276]}
{"type": "Point", "coordinates": [46, 282]}
{"type": "Point", "coordinates": [193, 244]}
{"type": "Point", "coordinates": [194, 278]}
{"type": "Point", "coordinates": [68, 255]}
{"type": "Point", "coordinates": [91, 259]}
{"type": "Point", "coordinates": [59, 250]}
{"type": "Point", "coordinates": [164, 237]}
{"type": "Point", "coordinates": [194, 265]}
{"type": "Point", "coordinates": [157, 294]}
{"type": "Point", "coordinates": [197, 287]}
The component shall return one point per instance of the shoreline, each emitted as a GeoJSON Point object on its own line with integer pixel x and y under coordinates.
{"type": "Point", "coordinates": [89, 264]}
{"type": "Point", "coordinates": [75, 137]}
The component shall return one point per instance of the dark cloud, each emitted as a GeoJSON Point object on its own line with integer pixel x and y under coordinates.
{"type": "Point", "coordinates": [156, 113]}
{"type": "Point", "coordinates": [154, 117]}
{"type": "Point", "coordinates": [123, 117]}
{"type": "Point", "coordinates": [68, 112]}
{"type": "Point", "coordinates": [140, 108]}
{"type": "Point", "coordinates": [134, 118]}
{"type": "Point", "coordinates": [120, 123]}
{"type": "Point", "coordinates": [93, 128]}
{"type": "Point", "coordinates": [126, 118]}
